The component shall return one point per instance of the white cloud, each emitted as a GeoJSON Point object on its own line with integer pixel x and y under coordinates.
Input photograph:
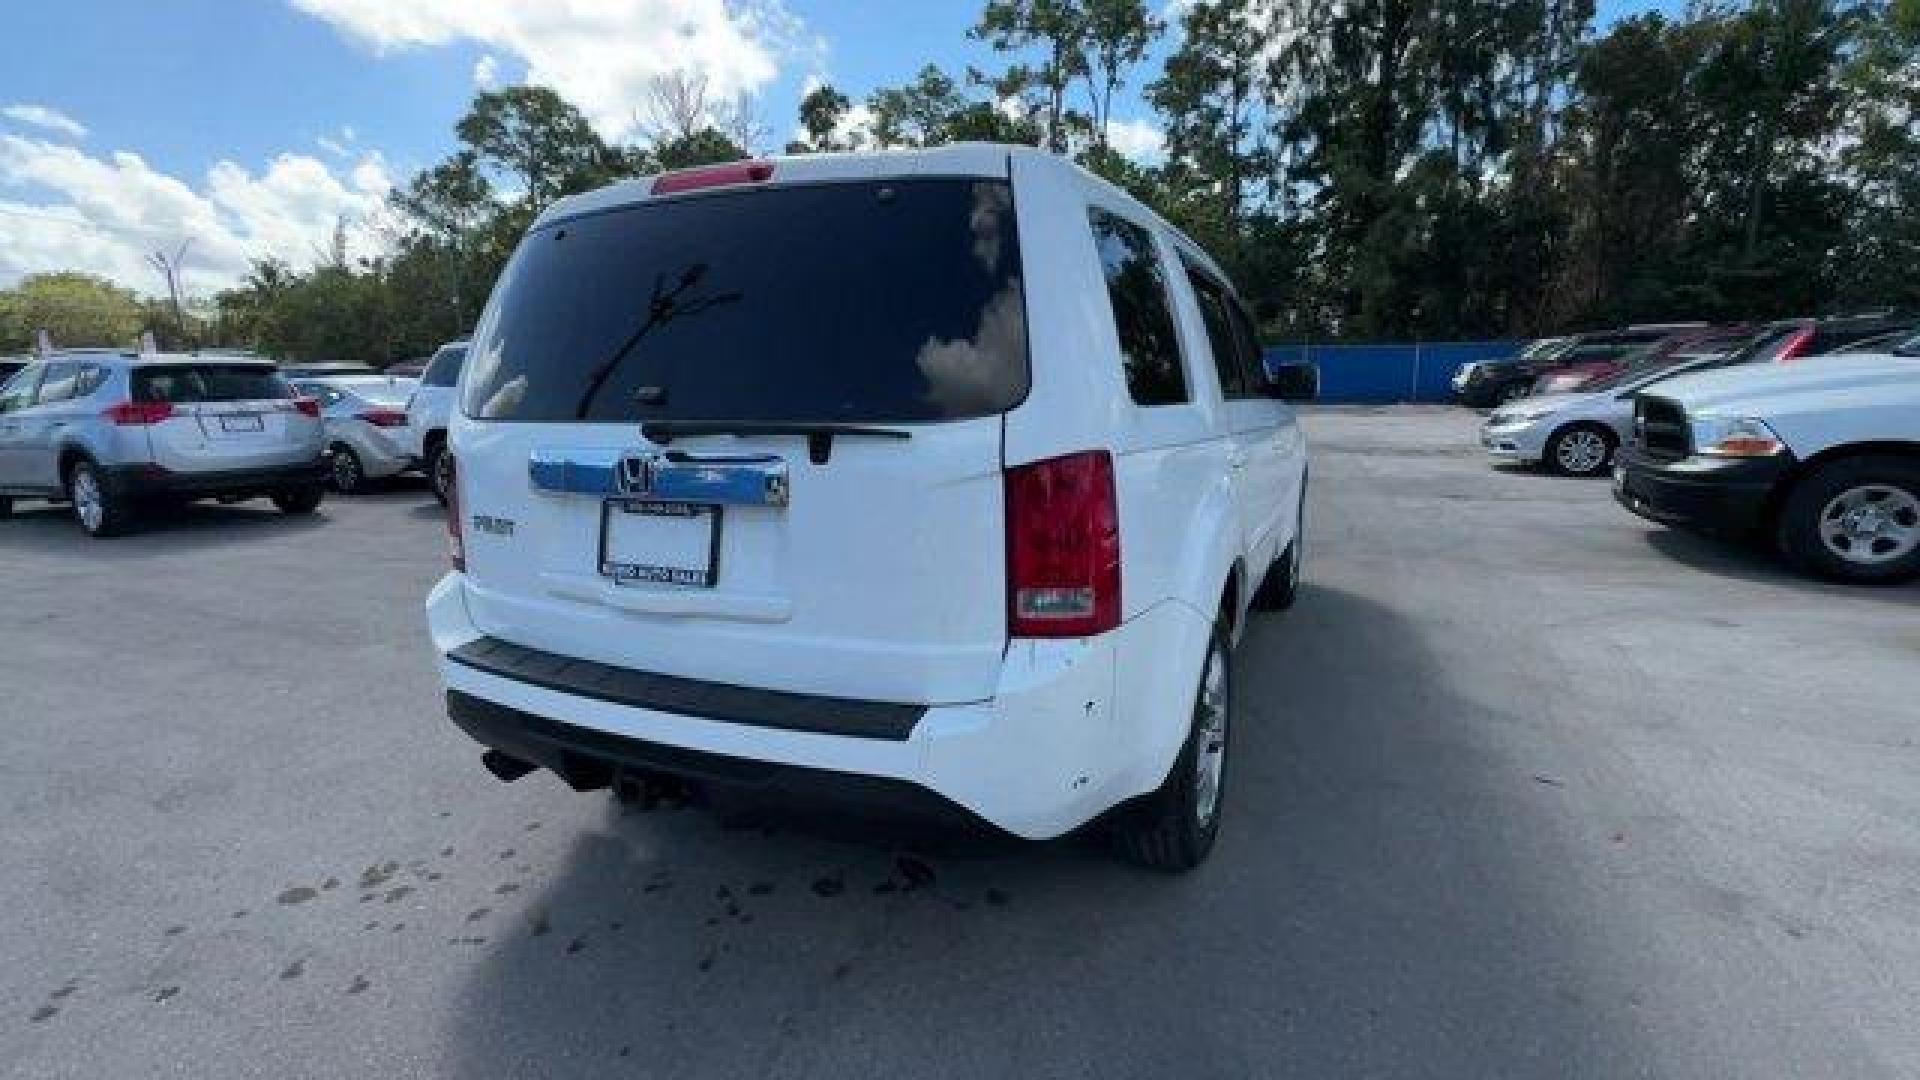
{"type": "Point", "coordinates": [104, 214]}
{"type": "Point", "coordinates": [1137, 139]}
{"type": "Point", "coordinates": [47, 119]}
{"type": "Point", "coordinates": [599, 54]}
{"type": "Point", "coordinates": [486, 72]}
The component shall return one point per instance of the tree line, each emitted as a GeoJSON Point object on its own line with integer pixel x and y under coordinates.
{"type": "Point", "coordinates": [1381, 169]}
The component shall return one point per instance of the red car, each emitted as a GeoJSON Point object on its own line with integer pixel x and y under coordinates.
{"type": "Point", "coordinates": [1695, 342]}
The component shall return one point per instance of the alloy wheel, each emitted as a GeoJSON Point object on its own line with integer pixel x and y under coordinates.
{"type": "Point", "coordinates": [1871, 524]}
{"type": "Point", "coordinates": [88, 505]}
{"type": "Point", "coordinates": [1581, 452]}
{"type": "Point", "coordinates": [1210, 750]}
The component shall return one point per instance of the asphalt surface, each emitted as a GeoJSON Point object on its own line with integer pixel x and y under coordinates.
{"type": "Point", "coordinates": [1523, 787]}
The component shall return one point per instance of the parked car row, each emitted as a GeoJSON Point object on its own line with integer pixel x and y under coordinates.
{"type": "Point", "coordinates": [1821, 458]}
{"type": "Point", "coordinates": [112, 432]}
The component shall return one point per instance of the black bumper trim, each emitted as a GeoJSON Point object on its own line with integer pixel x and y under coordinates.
{"type": "Point", "coordinates": [1733, 496]}
{"type": "Point", "coordinates": [690, 697]}
{"type": "Point", "coordinates": [587, 758]}
{"type": "Point", "coordinates": [154, 480]}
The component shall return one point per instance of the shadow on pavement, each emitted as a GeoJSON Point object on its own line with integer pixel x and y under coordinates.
{"type": "Point", "coordinates": [1748, 560]}
{"type": "Point", "coordinates": [1372, 910]}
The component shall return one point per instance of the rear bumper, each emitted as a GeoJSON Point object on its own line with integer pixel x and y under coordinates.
{"type": "Point", "coordinates": [1074, 728]}
{"type": "Point", "coordinates": [154, 480]}
{"type": "Point", "coordinates": [1719, 495]}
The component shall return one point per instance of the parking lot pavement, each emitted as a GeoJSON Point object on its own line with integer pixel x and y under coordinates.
{"type": "Point", "coordinates": [1522, 787]}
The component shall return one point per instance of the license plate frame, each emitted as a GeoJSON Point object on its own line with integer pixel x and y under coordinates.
{"type": "Point", "coordinates": [242, 424]}
{"type": "Point", "coordinates": [635, 573]}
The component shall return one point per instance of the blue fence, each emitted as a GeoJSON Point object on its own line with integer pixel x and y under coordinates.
{"type": "Point", "coordinates": [1417, 371]}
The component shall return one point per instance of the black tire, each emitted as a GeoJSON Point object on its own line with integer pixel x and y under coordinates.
{"type": "Point", "coordinates": [345, 474]}
{"type": "Point", "coordinates": [1569, 451]}
{"type": "Point", "coordinates": [439, 467]}
{"type": "Point", "coordinates": [297, 501]}
{"type": "Point", "coordinates": [99, 509]}
{"type": "Point", "coordinates": [1815, 527]}
{"type": "Point", "coordinates": [1169, 830]}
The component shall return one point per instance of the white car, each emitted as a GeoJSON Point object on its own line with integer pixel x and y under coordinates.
{"type": "Point", "coordinates": [944, 478]}
{"type": "Point", "coordinates": [427, 411]}
{"type": "Point", "coordinates": [367, 429]}
{"type": "Point", "coordinates": [1574, 433]}
{"type": "Point", "coordinates": [1823, 458]}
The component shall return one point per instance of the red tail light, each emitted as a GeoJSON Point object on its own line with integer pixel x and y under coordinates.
{"type": "Point", "coordinates": [1063, 547]}
{"type": "Point", "coordinates": [1796, 345]}
{"type": "Point", "coordinates": [385, 417]}
{"type": "Point", "coordinates": [307, 406]}
{"type": "Point", "coordinates": [733, 172]}
{"type": "Point", "coordinates": [138, 413]}
{"type": "Point", "coordinates": [456, 544]}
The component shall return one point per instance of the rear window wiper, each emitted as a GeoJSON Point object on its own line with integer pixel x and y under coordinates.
{"type": "Point", "coordinates": [819, 436]}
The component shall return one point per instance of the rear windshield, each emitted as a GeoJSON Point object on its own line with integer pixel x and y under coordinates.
{"type": "Point", "coordinates": [209, 382]}
{"type": "Point", "coordinates": [877, 301]}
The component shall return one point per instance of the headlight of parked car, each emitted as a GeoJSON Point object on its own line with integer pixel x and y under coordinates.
{"type": "Point", "coordinates": [1742, 437]}
{"type": "Point", "coordinates": [1523, 415]}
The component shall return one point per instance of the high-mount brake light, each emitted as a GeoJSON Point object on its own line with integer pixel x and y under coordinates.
{"type": "Point", "coordinates": [708, 176]}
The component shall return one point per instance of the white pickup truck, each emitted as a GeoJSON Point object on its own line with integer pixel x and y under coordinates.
{"type": "Point", "coordinates": [1822, 456]}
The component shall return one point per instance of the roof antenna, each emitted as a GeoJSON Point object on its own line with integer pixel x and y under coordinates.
{"type": "Point", "coordinates": [148, 346]}
{"type": "Point", "coordinates": [42, 344]}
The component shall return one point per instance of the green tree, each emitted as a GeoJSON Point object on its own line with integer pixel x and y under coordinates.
{"type": "Point", "coordinates": [822, 113]}
{"type": "Point", "coordinates": [74, 309]}
{"type": "Point", "coordinates": [1211, 94]}
{"type": "Point", "coordinates": [1058, 29]}
{"type": "Point", "coordinates": [533, 135]}
{"type": "Point", "coordinates": [1117, 34]}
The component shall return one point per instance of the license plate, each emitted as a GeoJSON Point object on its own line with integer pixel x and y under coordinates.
{"type": "Point", "coordinates": [644, 541]}
{"type": "Point", "coordinates": [242, 423]}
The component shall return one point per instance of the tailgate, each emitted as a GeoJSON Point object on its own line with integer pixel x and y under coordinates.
{"type": "Point", "coordinates": [876, 575]}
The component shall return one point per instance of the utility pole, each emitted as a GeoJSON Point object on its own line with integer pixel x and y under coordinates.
{"type": "Point", "coordinates": [170, 270]}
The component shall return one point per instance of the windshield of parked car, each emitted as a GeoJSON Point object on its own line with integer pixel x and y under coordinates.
{"type": "Point", "coordinates": [444, 368]}
{"type": "Point", "coordinates": [884, 301]}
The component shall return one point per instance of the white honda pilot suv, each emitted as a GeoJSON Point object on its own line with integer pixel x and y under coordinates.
{"type": "Point", "coordinates": [940, 479]}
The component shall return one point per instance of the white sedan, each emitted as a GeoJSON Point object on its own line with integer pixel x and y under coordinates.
{"type": "Point", "coordinates": [366, 422]}
{"type": "Point", "coordinates": [1575, 433]}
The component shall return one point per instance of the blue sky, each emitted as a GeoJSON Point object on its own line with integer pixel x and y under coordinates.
{"type": "Point", "coordinates": [251, 125]}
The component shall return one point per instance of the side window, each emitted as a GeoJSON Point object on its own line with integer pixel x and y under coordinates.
{"type": "Point", "coordinates": [92, 377]}
{"type": "Point", "coordinates": [58, 384]}
{"type": "Point", "coordinates": [1220, 337]}
{"type": "Point", "coordinates": [1252, 357]}
{"type": "Point", "coordinates": [1149, 345]}
{"type": "Point", "coordinates": [18, 392]}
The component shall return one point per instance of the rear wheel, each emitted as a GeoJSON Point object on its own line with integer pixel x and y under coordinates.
{"type": "Point", "coordinates": [1856, 520]}
{"type": "Point", "coordinates": [346, 474]}
{"type": "Point", "coordinates": [1581, 450]}
{"type": "Point", "coordinates": [300, 500]}
{"type": "Point", "coordinates": [439, 469]}
{"type": "Point", "coordinates": [99, 510]}
{"type": "Point", "coordinates": [1174, 828]}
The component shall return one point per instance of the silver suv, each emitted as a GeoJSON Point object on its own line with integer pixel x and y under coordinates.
{"type": "Point", "coordinates": [108, 431]}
